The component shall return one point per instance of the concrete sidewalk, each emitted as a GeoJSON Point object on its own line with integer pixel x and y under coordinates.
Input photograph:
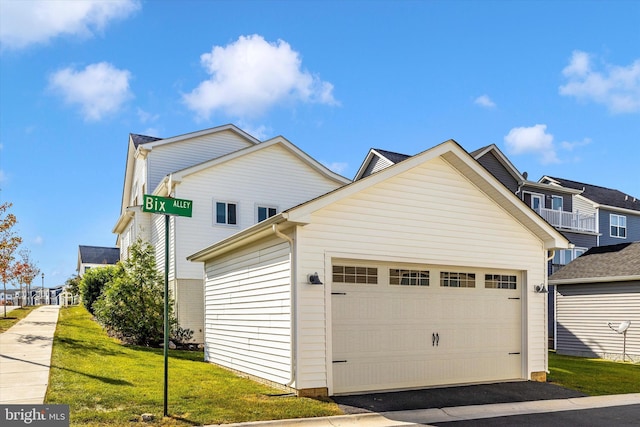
{"type": "Point", "coordinates": [459, 413]}
{"type": "Point", "coordinates": [25, 357]}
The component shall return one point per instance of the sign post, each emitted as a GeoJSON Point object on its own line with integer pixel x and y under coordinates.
{"type": "Point", "coordinates": [167, 206]}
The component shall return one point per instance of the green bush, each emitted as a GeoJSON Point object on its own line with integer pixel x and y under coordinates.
{"type": "Point", "coordinates": [94, 280]}
{"type": "Point", "coordinates": [131, 306]}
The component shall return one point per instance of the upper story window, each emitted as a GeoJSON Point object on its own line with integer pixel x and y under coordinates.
{"type": "Point", "coordinates": [226, 213]}
{"type": "Point", "coordinates": [534, 200]}
{"type": "Point", "coordinates": [557, 203]}
{"type": "Point", "coordinates": [618, 225]}
{"type": "Point", "coordinates": [265, 212]}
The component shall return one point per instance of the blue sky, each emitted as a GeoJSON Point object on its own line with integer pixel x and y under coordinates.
{"type": "Point", "coordinates": [555, 84]}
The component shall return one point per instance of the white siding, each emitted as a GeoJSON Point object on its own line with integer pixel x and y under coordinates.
{"type": "Point", "coordinates": [248, 311]}
{"type": "Point", "coordinates": [583, 206]}
{"type": "Point", "coordinates": [430, 214]}
{"type": "Point", "coordinates": [165, 159]}
{"type": "Point", "coordinates": [189, 307]}
{"type": "Point", "coordinates": [583, 314]}
{"type": "Point", "coordinates": [272, 176]}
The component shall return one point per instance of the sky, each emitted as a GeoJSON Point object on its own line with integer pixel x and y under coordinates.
{"type": "Point", "coordinates": [554, 84]}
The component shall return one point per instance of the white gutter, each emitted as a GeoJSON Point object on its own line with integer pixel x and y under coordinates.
{"type": "Point", "coordinates": [294, 328]}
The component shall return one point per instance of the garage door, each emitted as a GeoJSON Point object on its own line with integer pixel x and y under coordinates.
{"type": "Point", "coordinates": [404, 326]}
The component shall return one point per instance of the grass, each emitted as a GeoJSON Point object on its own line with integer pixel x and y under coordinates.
{"type": "Point", "coordinates": [108, 384]}
{"type": "Point", "coordinates": [13, 316]}
{"type": "Point", "coordinates": [594, 376]}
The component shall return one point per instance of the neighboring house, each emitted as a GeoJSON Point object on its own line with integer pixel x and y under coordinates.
{"type": "Point", "coordinates": [233, 180]}
{"type": "Point", "coordinates": [96, 256]}
{"type": "Point", "coordinates": [595, 294]}
{"type": "Point", "coordinates": [426, 273]}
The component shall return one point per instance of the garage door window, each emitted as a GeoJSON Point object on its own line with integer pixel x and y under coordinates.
{"type": "Point", "coordinates": [408, 277]}
{"type": "Point", "coordinates": [457, 280]}
{"type": "Point", "coordinates": [352, 274]}
{"type": "Point", "coordinates": [500, 281]}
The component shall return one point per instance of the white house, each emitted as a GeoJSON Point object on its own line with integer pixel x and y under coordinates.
{"type": "Point", "coordinates": [428, 272]}
{"type": "Point", "coordinates": [234, 181]}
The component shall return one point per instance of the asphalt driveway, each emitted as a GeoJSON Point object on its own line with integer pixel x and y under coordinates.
{"type": "Point", "coordinates": [483, 394]}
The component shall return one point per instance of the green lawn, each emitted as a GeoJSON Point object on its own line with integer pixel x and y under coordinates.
{"type": "Point", "coordinates": [108, 384]}
{"type": "Point", "coordinates": [594, 376]}
{"type": "Point", "coordinates": [13, 316]}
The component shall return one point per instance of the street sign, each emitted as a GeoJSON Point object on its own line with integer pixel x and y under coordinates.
{"type": "Point", "coordinates": [167, 205]}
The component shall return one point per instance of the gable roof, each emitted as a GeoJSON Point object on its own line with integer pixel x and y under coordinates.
{"type": "Point", "coordinates": [176, 177]}
{"type": "Point", "coordinates": [451, 152]}
{"type": "Point", "coordinates": [389, 156]}
{"type": "Point", "coordinates": [98, 255]}
{"type": "Point", "coordinates": [142, 139]}
{"type": "Point", "coordinates": [601, 195]}
{"type": "Point", "coordinates": [619, 262]}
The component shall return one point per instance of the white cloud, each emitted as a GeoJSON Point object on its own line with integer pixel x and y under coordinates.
{"type": "Point", "coordinates": [250, 75]}
{"type": "Point", "coordinates": [569, 146]}
{"type": "Point", "coordinates": [146, 117]}
{"type": "Point", "coordinates": [618, 87]}
{"type": "Point", "coordinates": [485, 101]}
{"type": "Point", "coordinates": [27, 22]}
{"type": "Point", "coordinates": [99, 89]}
{"type": "Point", "coordinates": [337, 167]}
{"type": "Point", "coordinates": [532, 140]}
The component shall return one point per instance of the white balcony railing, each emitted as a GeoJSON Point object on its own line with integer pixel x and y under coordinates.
{"type": "Point", "coordinates": [569, 220]}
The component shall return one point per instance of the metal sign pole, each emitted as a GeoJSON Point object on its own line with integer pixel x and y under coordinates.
{"type": "Point", "coordinates": [166, 312]}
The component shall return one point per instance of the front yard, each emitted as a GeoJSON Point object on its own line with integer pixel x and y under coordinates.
{"type": "Point", "coordinates": [108, 384]}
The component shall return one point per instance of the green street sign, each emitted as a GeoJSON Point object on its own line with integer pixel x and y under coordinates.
{"type": "Point", "coordinates": [167, 205]}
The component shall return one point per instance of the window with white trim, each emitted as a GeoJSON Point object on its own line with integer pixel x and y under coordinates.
{"type": "Point", "coordinates": [457, 280]}
{"type": "Point", "coordinates": [265, 212]}
{"type": "Point", "coordinates": [557, 203]}
{"type": "Point", "coordinates": [565, 256]}
{"type": "Point", "coordinates": [408, 277]}
{"type": "Point", "coordinates": [618, 226]}
{"type": "Point", "coordinates": [226, 213]}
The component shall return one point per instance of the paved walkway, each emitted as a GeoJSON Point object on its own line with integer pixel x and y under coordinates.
{"type": "Point", "coordinates": [25, 357]}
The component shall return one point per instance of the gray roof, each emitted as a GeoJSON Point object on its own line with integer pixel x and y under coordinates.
{"type": "Point", "coordinates": [602, 195]}
{"type": "Point", "coordinates": [394, 157]}
{"type": "Point", "coordinates": [621, 260]}
{"type": "Point", "coordinates": [98, 255]}
{"type": "Point", "coordinates": [142, 139]}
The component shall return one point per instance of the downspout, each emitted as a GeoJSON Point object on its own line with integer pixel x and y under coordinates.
{"type": "Point", "coordinates": [546, 313]}
{"type": "Point", "coordinates": [292, 264]}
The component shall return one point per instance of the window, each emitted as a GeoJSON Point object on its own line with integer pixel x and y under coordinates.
{"type": "Point", "coordinates": [226, 213]}
{"type": "Point", "coordinates": [408, 277]}
{"type": "Point", "coordinates": [557, 203]}
{"type": "Point", "coordinates": [533, 200]}
{"type": "Point", "coordinates": [457, 280]}
{"type": "Point", "coordinates": [500, 281]}
{"type": "Point", "coordinates": [618, 225]}
{"type": "Point", "coordinates": [351, 274]}
{"type": "Point", "coordinates": [265, 212]}
{"type": "Point", "coordinates": [565, 256]}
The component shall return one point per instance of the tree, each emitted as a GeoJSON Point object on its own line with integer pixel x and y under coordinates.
{"type": "Point", "coordinates": [72, 285]}
{"type": "Point", "coordinates": [132, 305]}
{"type": "Point", "coordinates": [25, 269]}
{"type": "Point", "coordinates": [9, 242]}
{"type": "Point", "coordinates": [94, 281]}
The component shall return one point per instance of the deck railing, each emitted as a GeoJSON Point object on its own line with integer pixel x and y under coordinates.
{"type": "Point", "coordinates": [569, 220]}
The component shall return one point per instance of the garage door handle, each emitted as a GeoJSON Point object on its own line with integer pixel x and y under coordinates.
{"type": "Point", "coordinates": [338, 293]}
{"type": "Point", "coordinates": [435, 339]}
{"type": "Point", "coordinates": [339, 361]}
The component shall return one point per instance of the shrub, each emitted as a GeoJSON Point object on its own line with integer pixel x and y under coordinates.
{"type": "Point", "coordinates": [94, 281]}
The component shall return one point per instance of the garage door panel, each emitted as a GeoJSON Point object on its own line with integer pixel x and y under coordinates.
{"type": "Point", "coordinates": [393, 337]}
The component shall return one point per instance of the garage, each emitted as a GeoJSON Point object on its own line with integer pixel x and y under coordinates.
{"type": "Point", "coordinates": [402, 326]}
{"type": "Point", "coordinates": [427, 273]}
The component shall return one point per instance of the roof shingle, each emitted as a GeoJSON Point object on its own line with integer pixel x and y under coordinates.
{"type": "Point", "coordinates": [619, 260]}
